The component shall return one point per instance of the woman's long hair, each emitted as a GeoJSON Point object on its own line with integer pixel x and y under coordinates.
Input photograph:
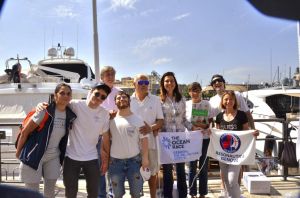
{"type": "Point", "coordinates": [163, 91]}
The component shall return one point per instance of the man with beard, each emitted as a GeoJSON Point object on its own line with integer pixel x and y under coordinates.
{"type": "Point", "coordinates": [125, 157]}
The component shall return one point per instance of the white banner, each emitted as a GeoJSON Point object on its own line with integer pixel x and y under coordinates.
{"type": "Point", "coordinates": [176, 147]}
{"type": "Point", "coordinates": [232, 147]}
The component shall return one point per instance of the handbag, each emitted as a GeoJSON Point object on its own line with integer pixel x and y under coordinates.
{"type": "Point", "coordinates": [287, 153]}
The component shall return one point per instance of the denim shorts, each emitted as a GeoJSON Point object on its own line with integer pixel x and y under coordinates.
{"type": "Point", "coordinates": [121, 169]}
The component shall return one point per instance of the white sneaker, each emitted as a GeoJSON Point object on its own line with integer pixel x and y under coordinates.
{"type": "Point", "coordinates": [223, 193]}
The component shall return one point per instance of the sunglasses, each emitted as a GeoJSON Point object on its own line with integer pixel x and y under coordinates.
{"type": "Point", "coordinates": [99, 95]}
{"type": "Point", "coordinates": [217, 80]}
{"type": "Point", "coordinates": [64, 93]}
{"type": "Point", "coordinates": [143, 82]}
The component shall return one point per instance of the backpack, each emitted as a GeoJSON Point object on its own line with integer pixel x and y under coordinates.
{"type": "Point", "coordinates": [25, 122]}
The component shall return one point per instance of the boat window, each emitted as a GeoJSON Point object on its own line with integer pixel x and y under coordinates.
{"type": "Point", "coordinates": [81, 69]}
{"type": "Point", "coordinates": [282, 104]}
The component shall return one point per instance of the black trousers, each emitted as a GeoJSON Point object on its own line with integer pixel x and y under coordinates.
{"type": "Point", "coordinates": [71, 171]}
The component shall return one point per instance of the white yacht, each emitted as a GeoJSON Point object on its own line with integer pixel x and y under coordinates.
{"type": "Point", "coordinates": [272, 103]}
{"type": "Point", "coordinates": [37, 82]}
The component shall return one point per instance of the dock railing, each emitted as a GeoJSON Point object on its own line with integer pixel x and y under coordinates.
{"type": "Point", "coordinates": [9, 141]}
{"type": "Point", "coordinates": [285, 135]}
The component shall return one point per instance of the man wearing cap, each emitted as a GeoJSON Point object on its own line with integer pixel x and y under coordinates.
{"type": "Point", "coordinates": [148, 108]}
{"type": "Point", "coordinates": [218, 84]}
{"type": "Point", "coordinates": [129, 149]}
{"type": "Point", "coordinates": [81, 153]}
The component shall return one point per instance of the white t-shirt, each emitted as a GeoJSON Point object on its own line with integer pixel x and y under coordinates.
{"type": "Point", "coordinates": [148, 110]}
{"type": "Point", "coordinates": [198, 111]}
{"type": "Point", "coordinates": [109, 102]}
{"type": "Point", "coordinates": [58, 131]}
{"type": "Point", "coordinates": [83, 137]}
{"type": "Point", "coordinates": [216, 100]}
{"type": "Point", "coordinates": [125, 136]}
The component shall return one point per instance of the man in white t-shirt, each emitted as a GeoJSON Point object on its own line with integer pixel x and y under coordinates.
{"type": "Point", "coordinates": [81, 153]}
{"type": "Point", "coordinates": [218, 84]}
{"type": "Point", "coordinates": [148, 108]}
{"type": "Point", "coordinates": [129, 149]}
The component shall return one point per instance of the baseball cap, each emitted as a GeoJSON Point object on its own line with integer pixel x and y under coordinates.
{"type": "Point", "coordinates": [102, 86]}
{"type": "Point", "coordinates": [217, 77]}
{"type": "Point", "coordinates": [146, 174]}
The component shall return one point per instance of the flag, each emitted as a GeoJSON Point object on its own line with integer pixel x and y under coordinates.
{"type": "Point", "coordinates": [176, 147]}
{"type": "Point", "coordinates": [232, 147]}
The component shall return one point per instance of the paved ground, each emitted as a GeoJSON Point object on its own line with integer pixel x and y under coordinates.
{"type": "Point", "coordinates": [279, 188]}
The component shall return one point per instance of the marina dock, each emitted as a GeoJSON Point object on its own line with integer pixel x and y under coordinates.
{"type": "Point", "coordinates": [279, 188]}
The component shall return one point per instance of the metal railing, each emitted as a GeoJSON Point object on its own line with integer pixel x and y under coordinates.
{"type": "Point", "coordinates": [284, 138]}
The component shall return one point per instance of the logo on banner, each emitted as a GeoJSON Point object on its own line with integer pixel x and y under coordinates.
{"type": "Point", "coordinates": [230, 143]}
{"type": "Point", "coordinates": [174, 142]}
{"type": "Point", "coordinates": [166, 142]}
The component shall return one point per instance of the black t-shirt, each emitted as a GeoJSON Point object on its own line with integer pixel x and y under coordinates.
{"type": "Point", "coordinates": [234, 125]}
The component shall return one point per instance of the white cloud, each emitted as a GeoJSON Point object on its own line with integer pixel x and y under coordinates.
{"type": "Point", "coordinates": [182, 16]}
{"type": "Point", "coordinates": [63, 11]}
{"type": "Point", "coordinates": [152, 43]}
{"type": "Point", "coordinates": [127, 4]}
{"type": "Point", "coordinates": [162, 61]}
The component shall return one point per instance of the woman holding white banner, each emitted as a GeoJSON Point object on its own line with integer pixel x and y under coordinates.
{"type": "Point", "coordinates": [234, 120]}
{"type": "Point", "coordinates": [173, 106]}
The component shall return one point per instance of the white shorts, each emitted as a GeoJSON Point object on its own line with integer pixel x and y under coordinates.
{"type": "Point", "coordinates": [153, 161]}
{"type": "Point", "coordinates": [48, 168]}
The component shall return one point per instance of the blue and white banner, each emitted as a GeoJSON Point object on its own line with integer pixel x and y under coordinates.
{"type": "Point", "coordinates": [176, 147]}
{"type": "Point", "coordinates": [232, 147]}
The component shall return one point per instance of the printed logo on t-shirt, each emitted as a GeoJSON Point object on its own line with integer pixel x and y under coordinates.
{"type": "Point", "coordinates": [130, 130]}
{"type": "Point", "coordinates": [199, 112]}
{"type": "Point", "coordinates": [59, 123]}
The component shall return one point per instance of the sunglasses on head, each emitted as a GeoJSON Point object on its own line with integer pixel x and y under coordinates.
{"type": "Point", "coordinates": [99, 95]}
{"type": "Point", "coordinates": [143, 82]}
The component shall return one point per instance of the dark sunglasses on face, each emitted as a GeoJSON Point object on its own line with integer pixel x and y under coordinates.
{"type": "Point", "coordinates": [64, 93]}
{"type": "Point", "coordinates": [143, 82]}
{"type": "Point", "coordinates": [217, 80]}
{"type": "Point", "coordinates": [98, 95]}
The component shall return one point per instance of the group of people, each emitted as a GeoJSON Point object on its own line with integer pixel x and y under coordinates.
{"type": "Point", "coordinates": [110, 137]}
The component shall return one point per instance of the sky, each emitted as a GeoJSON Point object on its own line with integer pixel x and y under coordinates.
{"type": "Point", "coordinates": [192, 38]}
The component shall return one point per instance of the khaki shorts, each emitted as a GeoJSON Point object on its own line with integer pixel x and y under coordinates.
{"type": "Point", "coordinates": [48, 168]}
{"type": "Point", "coordinates": [153, 161]}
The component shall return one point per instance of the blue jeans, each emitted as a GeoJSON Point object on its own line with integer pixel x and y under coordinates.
{"type": "Point", "coordinates": [119, 170]}
{"type": "Point", "coordinates": [168, 180]}
{"type": "Point", "coordinates": [203, 173]}
{"type": "Point", "coordinates": [102, 180]}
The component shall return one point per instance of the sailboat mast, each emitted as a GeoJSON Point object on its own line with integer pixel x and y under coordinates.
{"type": "Point", "coordinates": [298, 38]}
{"type": "Point", "coordinates": [96, 43]}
